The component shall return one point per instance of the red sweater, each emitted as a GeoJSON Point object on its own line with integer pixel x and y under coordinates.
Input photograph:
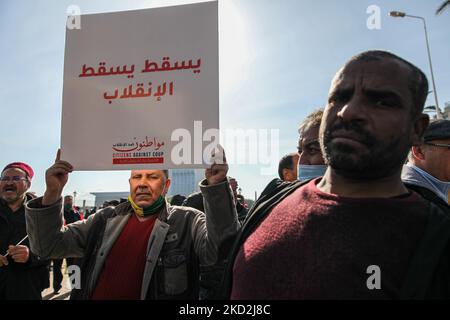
{"type": "Point", "coordinates": [121, 277]}
{"type": "Point", "coordinates": [315, 245]}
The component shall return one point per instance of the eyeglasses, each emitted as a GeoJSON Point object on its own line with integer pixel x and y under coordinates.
{"type": "Point", "coordinates": [441, 145]}
{"type": "Point", "coordinates": [13, 179]}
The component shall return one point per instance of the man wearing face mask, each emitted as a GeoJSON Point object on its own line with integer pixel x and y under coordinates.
{"type": "Point", "coordinates": [429, 163]}
{"type": "Point", "coordinates": [143, 248]}
{"type": "Point", "coordinates": [310, 163]}
{"type": "Point", "coordinates": [357, 232]}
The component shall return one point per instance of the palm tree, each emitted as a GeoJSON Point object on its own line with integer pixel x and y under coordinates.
{"type": "Point", "coordinates": [443, 6]}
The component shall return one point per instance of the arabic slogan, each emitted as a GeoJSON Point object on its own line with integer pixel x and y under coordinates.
{"type": "Point", "coordinates": [147, 151]}
{"type": "Point", "coordinates": [132, 104]}
{"type": "Point", "coordinates": [140, 92]}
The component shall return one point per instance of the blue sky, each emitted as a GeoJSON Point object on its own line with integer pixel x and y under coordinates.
{"type": "Point", "coordinates": [277, 59]}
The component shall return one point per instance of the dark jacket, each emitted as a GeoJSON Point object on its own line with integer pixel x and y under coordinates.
{"type": "Point", "coordinates": [195, 200]}
{"type": "Point", "coordinates": [211, 275]}
{"type": "Point", "coordinates": [181, 239]}
{"type": "Point", "coordinates": [19, 281]}
{"type": "Point", "coordinates": [428, 276]}
{"type": "Point", "coordinates": [71, 216]}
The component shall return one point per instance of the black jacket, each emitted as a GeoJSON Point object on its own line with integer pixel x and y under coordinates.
{"type": "Point", "coordinates": [19, 281]}
{"type": "Point", "coordinates": [70, 216]}
{"type": "Point", "coordinates": [195, 200]}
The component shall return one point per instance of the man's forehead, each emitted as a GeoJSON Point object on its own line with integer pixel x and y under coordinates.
{"type": "Point", "coordinates": [310, 135]}
{"type": "Point", "coordinates": [14, 171]}
{"type": "Point", "coordinates": [145, 172]}
{"type": "Point", "coordinates": [384, 73]}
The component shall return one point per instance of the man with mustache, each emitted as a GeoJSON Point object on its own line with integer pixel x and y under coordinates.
{"type": "Point", "coordinates": [357, 232]}
{"type": "Point", "coordinates": [22, 275]}
{"type": "Point", "coordinates": [307, 163]}
{"type": "Point", "coordinates": [143, 248]}
{"type": "Point", "coordinates": [311, 163]}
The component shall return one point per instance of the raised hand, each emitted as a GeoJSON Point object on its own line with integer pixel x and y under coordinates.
{"type": "Point", "coordinates": [56, 178]}
{"type": "Point", "coordinates": [219, 167]}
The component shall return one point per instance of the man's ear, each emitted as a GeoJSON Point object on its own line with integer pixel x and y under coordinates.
{"type": "Point", "coordinates": [419, 127]}
{"type": "Point", "coordinates": [166, 187]}
{"type": "Point", "coordinates": [285, 173]}
{"type": "Point", "coordinates": [417, 152]}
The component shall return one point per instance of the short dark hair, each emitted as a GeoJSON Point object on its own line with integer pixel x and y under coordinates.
{"type": "Point", "coordinates": [285, 163]}
{"type": "Point", "coordinates": [418, 83]}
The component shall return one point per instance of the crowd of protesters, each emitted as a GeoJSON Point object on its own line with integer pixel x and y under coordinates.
{"type": "Point", "coordinates": [360, 211]}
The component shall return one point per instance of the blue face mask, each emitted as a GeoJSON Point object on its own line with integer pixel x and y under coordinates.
{"type": "Point", "coordinates": [306, 172]}
{"type": "Point", "coordinates": [442, 188]}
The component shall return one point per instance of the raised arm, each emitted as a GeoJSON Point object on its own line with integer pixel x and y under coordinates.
{"type": "Point", "coordinates": [213, 232]}
{"type": "Point", "coordinates": [44, 217]}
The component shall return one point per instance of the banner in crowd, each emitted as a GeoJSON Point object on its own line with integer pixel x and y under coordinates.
{"type": "Point", "coordinates": [138, 86]}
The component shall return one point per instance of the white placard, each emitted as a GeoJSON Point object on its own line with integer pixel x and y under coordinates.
{"type": "Point", "coordinates": [131, 79]}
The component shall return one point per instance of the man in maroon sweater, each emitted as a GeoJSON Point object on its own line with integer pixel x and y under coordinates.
{"type": "Point", "coordinates": [143, 248]}
{"type": "Point", "coordinates": [353, 233]}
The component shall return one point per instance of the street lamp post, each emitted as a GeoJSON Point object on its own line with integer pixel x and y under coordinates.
{"type": "Point", "coordinates": [398, 14]}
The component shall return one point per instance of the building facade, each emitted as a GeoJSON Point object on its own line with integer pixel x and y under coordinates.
{"type": "Point", "coordinates": [101, 197]}
{"type": "Point", "coordinates": [185, 181]}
